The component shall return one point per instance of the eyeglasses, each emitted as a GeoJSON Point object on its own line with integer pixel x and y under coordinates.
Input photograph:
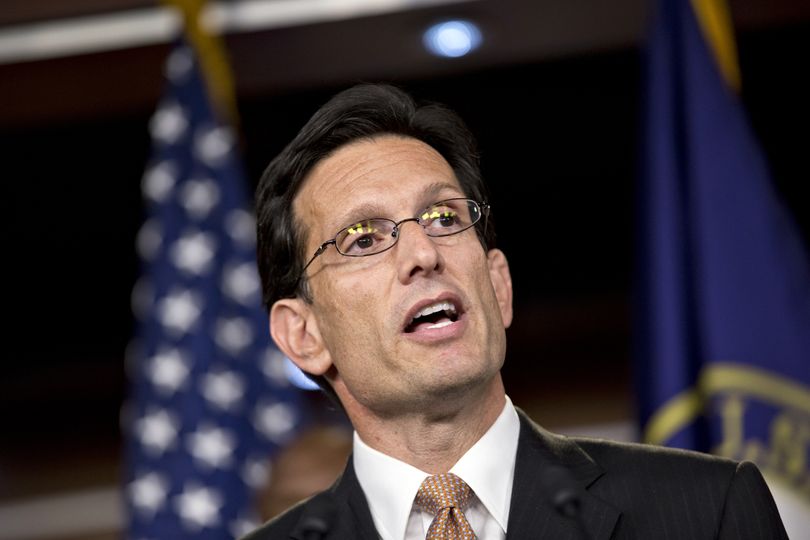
{"type": "Point", "coordinates": [373, 236]}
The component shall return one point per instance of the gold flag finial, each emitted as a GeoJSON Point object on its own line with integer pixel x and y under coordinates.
{"type": "Point", "coordinates": [212, 57]}
{"type": "Point", "coordinates": [714, 19]}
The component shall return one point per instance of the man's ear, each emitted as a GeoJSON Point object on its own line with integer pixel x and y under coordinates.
{"type": "Point", "coordinates": [295, 331]}
{"type": "Point", "coordinates": [501, 282]}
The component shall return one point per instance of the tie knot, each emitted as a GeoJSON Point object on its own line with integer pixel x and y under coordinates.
{"type": "Point", "coordinates": [443, 491]}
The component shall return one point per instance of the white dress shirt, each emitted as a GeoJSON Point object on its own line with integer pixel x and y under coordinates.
{"type": "Point", "coordinates": [488, 468]}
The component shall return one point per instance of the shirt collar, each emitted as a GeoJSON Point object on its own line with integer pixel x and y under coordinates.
{"type": "Point", "coordinates": [488, 467]}
{"type": "Point", "coordinates": [390, 486]}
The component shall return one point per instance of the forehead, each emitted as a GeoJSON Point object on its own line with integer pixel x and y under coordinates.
{"type": "Point", "coordinates": [382, 173]}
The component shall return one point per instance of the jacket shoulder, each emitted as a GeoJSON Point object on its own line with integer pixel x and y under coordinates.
{"type": "Point", "coordinates": [618, 456]}
{"type": "Point", "coordinates": [666, 473]}
{"type": "Point", "coordinates": [665, 491]}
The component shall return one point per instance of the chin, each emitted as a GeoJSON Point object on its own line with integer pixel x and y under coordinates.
{"type": "Point", "coordinates": [452, 385]}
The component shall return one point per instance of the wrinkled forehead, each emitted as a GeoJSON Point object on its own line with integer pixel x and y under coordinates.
{"type": "Point", "coordinates": [371, 176]}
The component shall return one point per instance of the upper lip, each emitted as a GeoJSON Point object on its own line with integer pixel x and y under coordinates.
{"type": "Point", "coordinates": [419, 306]}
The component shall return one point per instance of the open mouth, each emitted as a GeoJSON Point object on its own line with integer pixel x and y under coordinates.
{"type": "Point", "coordinates": [433, 316]}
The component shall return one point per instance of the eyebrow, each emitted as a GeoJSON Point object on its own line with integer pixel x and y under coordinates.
{"type": "Point", "coordinates": [358, 213]}
{"type": "Point", "coordinates": [372, 210]}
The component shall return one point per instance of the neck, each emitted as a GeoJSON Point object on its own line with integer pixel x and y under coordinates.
{"type": "Point", "coordinates": [435, 441]}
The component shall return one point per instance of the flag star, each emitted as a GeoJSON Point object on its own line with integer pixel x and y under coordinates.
{"type": "Point", "coordinates": [179, 311]}
{"type": "Point", "coordinates": [242, 526]}
{"type": "Point", "coordinates": [275, 421]}
{"type": "Point", "coordinates": [194, 252]}
{"type": "Point", "coordinates": [224, 389]}
{"type": "Point", "coordinates": [233, 335]}
{"type": "Point", "coordinates": [159, 180]}
{"type": "Point", "coordinates": [149, 238]}
{"type": "Point", "coordinates": [212, 144]}
{"type": "Point", "coordinates": [241, 226]}
{"type": "Point", "coordinates": [168, 123]}
{"type": "Point", "coordinates": [256, 472]}
{"type": "Point", "coordinates": [272, 365]}
{"type": "Point", "coordinates": [179, 64]}
{"type": "Point", "coordinates": [199, 507]}
{"type": "Point", "coordinates": [157, 431]}
{"type": "Point", "coordinates": [148, 492]}
{"type": "Point", "coordinates": [212, 447]}
{"type": "Point", "coordinates": [168, 370]}
{"type": "Point", "coordinates": [241, 283]}
{"type": "Point", "coordinates": [199, 196]}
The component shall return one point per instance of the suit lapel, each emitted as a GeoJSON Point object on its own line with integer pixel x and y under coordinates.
{"type": "Point", "coordinates": [362, 526]}
{"type": "Point", "coordinates": [531, 513]}
{"type": "Point", "coordinates": [352, 519]}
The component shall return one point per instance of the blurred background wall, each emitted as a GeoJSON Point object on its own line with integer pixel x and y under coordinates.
{"type": "Point", "coordinates": [553, 93]}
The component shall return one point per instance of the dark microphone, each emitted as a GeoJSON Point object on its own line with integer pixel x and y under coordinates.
{"type": "Point", "coordinates": [320, 517]}
{"type": "Point", "coordinates": [565, 496]}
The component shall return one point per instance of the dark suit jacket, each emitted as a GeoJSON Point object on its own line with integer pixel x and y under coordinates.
{"type": "Point", "coordinates": [629, 491]}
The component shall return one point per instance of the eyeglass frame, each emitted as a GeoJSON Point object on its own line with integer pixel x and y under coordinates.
{"type": "Point", "coordinates": [483, 207]}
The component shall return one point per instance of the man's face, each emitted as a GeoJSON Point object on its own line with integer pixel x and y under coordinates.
{"type": "Point", "coordinates": [364, 307]}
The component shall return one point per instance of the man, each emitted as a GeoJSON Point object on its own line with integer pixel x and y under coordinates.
{"type": "Point", "coordinates": [376, 251]}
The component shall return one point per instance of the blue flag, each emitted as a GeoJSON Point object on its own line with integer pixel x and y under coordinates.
{"type": "Point", "coordinates": [209, 400]}
{"type": "Point", "coordinates": [724, 281]}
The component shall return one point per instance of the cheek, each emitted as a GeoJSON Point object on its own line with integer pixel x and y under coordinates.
{"type": "Point", "coordinates": [354, 294]}
{"type": "Point", "coordinates": [349, 311]}
{"type": "Point", "coordinates": [486, 292]}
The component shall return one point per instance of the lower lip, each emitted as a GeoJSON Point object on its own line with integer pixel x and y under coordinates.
{"type": "Point", "coordinates": [440, 333]}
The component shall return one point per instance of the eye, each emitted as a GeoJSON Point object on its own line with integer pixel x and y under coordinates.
{"type": "Point", "coordinates": [442, 218]}
{"type": "Point", "coordinates": [364, 242]}
{"type": "Point", "coordinates": [363, 238]}
{"type": "Point", "coordinates": [448, 219]}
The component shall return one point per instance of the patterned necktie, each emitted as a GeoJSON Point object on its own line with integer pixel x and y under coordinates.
{"type": "Point", "coordinates": [446, 496]}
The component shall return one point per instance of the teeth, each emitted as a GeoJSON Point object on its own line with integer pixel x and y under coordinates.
{"type": "Point", "coordinates": [434, 308]}
{"type": "Point", "coordinates": [439, 325]}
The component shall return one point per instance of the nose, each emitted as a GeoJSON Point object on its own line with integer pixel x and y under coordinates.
{"type": "Point", "coordinates": [416, 253]}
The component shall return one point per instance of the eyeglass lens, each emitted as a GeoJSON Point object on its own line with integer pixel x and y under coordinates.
{"type": "Point", "coordinates": [376, 235]}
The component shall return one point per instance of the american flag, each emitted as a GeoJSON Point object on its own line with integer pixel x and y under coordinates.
{"type": "Point", "coordinates": [210, 400]}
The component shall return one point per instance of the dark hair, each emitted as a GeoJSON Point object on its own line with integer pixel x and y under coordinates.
{"type": "Point", "coordinates": [360, 112]}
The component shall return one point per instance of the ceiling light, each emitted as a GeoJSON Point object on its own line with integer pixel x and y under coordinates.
{"type": "Point", "coordinates": [452, 38]}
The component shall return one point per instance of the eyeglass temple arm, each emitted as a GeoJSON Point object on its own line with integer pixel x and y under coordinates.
{"type": "Point", "coordinates": [485, 210]}
{"type": "Point", "coordinates": [318, 251]}
{"type": "Point", "coordinates": [323, 247]}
